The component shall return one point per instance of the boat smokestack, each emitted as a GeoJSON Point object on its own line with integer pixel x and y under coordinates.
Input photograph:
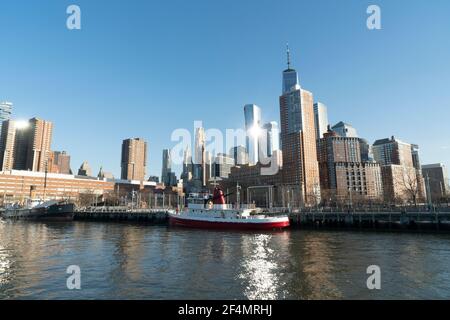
{"type": "Point", "coordinates": [218, 196]}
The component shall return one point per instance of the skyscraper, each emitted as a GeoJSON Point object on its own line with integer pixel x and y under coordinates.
{"type": "Point", "coordinates": [366, 151]}
{"type": "Point", "coordinates": [345, 174]}
{"type": "Point", "coordinates": [208, 168]}
{"type": "Point", "coordinates": [52, 166]}
{"type": "Point", "coordinates": [5, 112]}
{"type": "Point", "coordinates": [200, 166]}
{"type": "Point", "coordinates": [153, 179]}
{"type": "Point", "coordinates": [436, 176]}
{"type": "Point", "coordinates": [321, 119]}
{"type": "Point", "coordinates": [415, 156]}
{"type": "Point", "coordinates": [253, 130]}
{"type": "Point", "coordinates": [199, 152]}
{"type": "Point", "coordinates": [187, 173]}
{"type": "Point", "coordinates": [402, 181]}
{"type": "Point", "coordinates": [7, 142]}
{"type": "Point", "coordinates": [298, 138]}
{"type": "Point", "coordinates": [240, 155]}
{"type": "Point", "coordinates": [393, 151]}
{"type": "Point", "coordinates": [222, 165]}
{"type": "Point", "coordinates": [32, 145]}
{"type": "Point", "coordinates": [166, 167]}
{"type": "Point", "coordinates": [62, 161]}
{"type": "Point", "coordinates": [134, 159]}
{"type": "Point", "coordinates": [271, 139]}
{"type": "Point", "coordinates": [345, 130]}
{"type": "Point", "coordinates": [290, 76]}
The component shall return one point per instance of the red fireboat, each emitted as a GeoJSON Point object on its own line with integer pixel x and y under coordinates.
{"type": "Point", "coordinates": [204, 211]}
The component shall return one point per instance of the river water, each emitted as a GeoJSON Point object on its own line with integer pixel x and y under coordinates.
{"type": "Point", "coordinates": [131, 261]}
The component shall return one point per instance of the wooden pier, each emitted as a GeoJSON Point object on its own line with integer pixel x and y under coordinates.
{"type": "Point", "coordinates": [408, 220]}
{"type": "Point", "coordinates": [123, 214]}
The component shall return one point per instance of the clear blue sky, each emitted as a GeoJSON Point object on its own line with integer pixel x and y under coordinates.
{"type": "Point", "coordinates": [145, 68]}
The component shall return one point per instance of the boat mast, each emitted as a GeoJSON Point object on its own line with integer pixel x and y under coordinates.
{"type": "Point", "coordinates": [238, 195]}
{"type": "Point", "coordinates": [214, 183]}
{"type": "Point", "coordinates": [45, 180]}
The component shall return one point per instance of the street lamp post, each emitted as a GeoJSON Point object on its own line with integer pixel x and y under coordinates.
{"type": "Point", "coordinates": [238, 195]}
{"type": "Point", "coordinates": [430, 201]}
{"type": "Point", "coordinates": [289, 197]}
{"type": "Point", "coordinates": [132, 199]}
{"type": "Point", "coordinates": [351, 198]}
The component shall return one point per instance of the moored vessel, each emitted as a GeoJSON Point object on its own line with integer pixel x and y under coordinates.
{"type": "Point", "coordinates": [204, 211]}
{"type": "Point", "coordinates": [36, 210]}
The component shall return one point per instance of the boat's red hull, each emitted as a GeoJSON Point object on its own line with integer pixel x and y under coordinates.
{"type": "Point", "coordinates": [227, 225]}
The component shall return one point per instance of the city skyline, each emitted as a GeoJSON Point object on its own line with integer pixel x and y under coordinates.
{"type": "Point", "coordinates": [358, 105]}
{"type": "Point", "coordinates": [232, 153]}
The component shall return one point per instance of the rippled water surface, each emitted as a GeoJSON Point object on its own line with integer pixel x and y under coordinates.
{"type": "Point", "coordinates": [130, 261]}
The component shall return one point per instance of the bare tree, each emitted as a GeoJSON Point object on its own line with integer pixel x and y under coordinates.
{"type": "Point", "coordinates": [411, 185]}
{"type": "Point", "coordinates": [112, 198]}
{"type": "Point", "coordinates": [446, 198]}
{"type": "Point", "coordinates": [86, 198]}
{"type": "Point", "coordinates": [329, 197]}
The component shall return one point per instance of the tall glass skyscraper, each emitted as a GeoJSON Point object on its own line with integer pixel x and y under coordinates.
{"type": "Point", "coordinates": [290, 76]}
{"type": "Point", "coordinates": [321, 119]}
{"type": "Point", "coordinates": [166, 167]}
{"type": "Point", "coordinates": [200, 167]}
{"type": "Point", "coordinates": [298, 139]}
{"type": "Point", "coordinates": [252, 115]}
{"type": "Point", "coordinates": [271, 138]}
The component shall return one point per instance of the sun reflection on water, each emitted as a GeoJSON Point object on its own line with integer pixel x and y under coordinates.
{"type": "Point", "coordinates": [258, 268]}
{"type": "Point", "coordinates": [5, 266]}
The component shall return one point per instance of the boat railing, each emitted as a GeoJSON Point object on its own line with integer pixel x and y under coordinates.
{"type": "Point", "coordinates": [248, 206]}
{"type": "Point", "coordinates": [220, 206]}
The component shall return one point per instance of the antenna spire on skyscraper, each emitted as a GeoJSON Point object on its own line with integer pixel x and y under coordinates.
{"type": "Point", "coordinates": [288, 52]}
{"type": "Point", "coordinates": [290, 76]}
